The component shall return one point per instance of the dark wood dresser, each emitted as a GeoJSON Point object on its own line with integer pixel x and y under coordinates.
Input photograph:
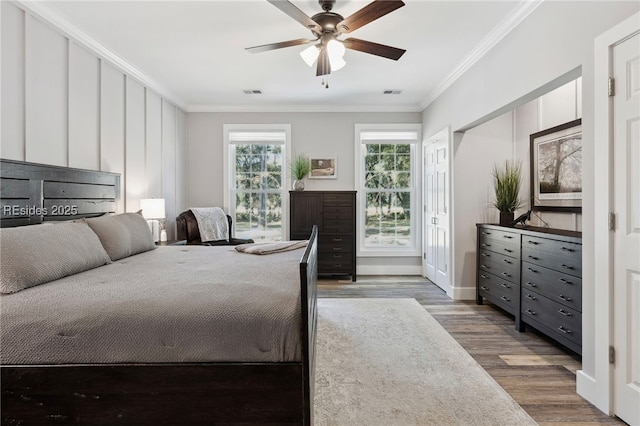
{"type": "Point", "coordinates": [534, 274]}
{"type": "Point", "coordinates": [334, 212]}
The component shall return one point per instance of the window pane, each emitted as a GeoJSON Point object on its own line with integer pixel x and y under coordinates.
{"type": "Point", "coordinates": [258, 208]}
{"type": "Point", "coordinates": [388, 219]}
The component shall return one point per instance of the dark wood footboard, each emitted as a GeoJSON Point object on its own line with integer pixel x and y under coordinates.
{"type": "Point", "coordinates": [172, 394]}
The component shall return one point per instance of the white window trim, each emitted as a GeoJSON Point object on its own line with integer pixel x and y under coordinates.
{"type": "Point", "coordinates": [416, 199]}
{"type": "Point", "coordinates": [228, 206]}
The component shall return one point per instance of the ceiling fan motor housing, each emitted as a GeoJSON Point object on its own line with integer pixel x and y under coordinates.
{"type": "Point", "coordinates": [327, 20]}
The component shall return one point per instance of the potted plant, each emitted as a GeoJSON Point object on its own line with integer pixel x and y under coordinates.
{"type": "Point", "coordinates": [299, 168]}
{"type": "Point", "coordinates": [507, 179]}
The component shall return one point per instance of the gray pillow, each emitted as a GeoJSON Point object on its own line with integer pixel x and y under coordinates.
{"type": "Point", "coordinates": [123, 235]}
{"type": "Point", "coordinates": [38, 254]}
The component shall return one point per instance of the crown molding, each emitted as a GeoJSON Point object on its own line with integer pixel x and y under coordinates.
{"type": "Point", "coordinates": [305, 108]}
{"type": "Point", "coordinates": [73, 33]}
{"type": "Point", "coordinates": [500, 31]}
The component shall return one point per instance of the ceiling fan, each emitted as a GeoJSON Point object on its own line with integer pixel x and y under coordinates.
{"type": "Point", "coordinates": [326, 26]}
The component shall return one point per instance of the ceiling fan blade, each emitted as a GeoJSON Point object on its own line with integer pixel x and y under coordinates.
{"type": "Point", "coordinates": [367, 14]}
{"type": "Point", "coordinates": [324, 66]}
{"type": "Point", "coordinates": [274, 46]}
{"type": "Point", "coordinates": [374, 48]}
{"type": "Point", "coordinates": [291, 10]}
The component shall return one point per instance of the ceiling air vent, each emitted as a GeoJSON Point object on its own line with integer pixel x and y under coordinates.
{"type": "Point", "coordinates": [392, 92]}
{"type": "Point", "coordinates": [252, 92]}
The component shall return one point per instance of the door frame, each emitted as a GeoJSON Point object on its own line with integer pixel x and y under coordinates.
{"type": "Point", "coordinates": [597, 385]}
{"type": "Point", "coordinates": [442, 134]}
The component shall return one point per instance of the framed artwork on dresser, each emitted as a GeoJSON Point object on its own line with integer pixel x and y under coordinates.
{"type": "Point", "coordinates": [556, 168]}
{"type": "Point", "coordinates": [323, 168]}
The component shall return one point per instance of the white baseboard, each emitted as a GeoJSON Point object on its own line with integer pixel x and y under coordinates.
{"type": "Point", "coordinates": [389, 270]}
{"type": "Point", "coordinates": [463, 293]}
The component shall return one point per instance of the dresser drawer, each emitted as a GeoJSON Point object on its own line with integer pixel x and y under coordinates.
{"type": "Point", "coordinates": [560, 320]}
{"type": "Point", "coordinates": [332, 262]}
{"type": "Point", "coordinates": [500, 265]}
{"type": "Point", "coordinates": [337, 212]}
{"type": "Point", "coordinates": [563, 288]}
{"type": "Point", "coordinates": [557, 255]}
{"type": "Point", "coordinates": [499, 236]}
{"type": "Point", "coordinates": [498, 246]}
{"type": "Point", "coordinates": [338, 199]}
{"type": "Point", "coordinates": [337, 226]}
{"type": "Point", "coordinates": [335, 243]}
{"type": "Point", "coordinates": [499, 291]}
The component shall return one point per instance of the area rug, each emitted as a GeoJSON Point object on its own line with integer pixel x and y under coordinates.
{"type": "Point", "coordinates": [389, 362]}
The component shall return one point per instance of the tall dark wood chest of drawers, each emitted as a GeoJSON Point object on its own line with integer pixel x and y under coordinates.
{"type": "Point", "coordinates": [334, 212]}
{"type": "Point", "coordinates": [534, 274]}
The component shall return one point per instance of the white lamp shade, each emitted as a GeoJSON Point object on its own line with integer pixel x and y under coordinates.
{"type": "Point", "coordinates": [310, 54]}
{"type": "Point", "coordinates": [152, 208]}
{"type": "Point", "coordinates": [336, 50]}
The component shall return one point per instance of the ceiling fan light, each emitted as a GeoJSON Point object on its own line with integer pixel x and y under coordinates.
{"type": "Point", "coordinates": [310, 54]}
{"type": "Point", "coordinates": [337, 63]}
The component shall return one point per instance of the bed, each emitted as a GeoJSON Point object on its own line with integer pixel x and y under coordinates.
{"type": "Point", "coordinates": [171, 343]}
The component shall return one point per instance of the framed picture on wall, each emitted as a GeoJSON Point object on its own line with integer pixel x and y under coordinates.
{"type": "Point", "coordinates": [556, 168]}
{"type": "Point", "coordinates": [323, 168]}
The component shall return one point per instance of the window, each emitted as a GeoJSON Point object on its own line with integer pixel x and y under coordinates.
{"type": "Point", "coordinates": [387, 178]}
{"type": "Point", "coordinates": [255, 176]}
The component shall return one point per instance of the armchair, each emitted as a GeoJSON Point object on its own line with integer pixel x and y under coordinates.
{"type": "Point", "coordinates": [187, 228]}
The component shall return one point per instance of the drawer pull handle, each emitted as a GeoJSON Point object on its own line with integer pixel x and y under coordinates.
{"type": "Point", "coordinates": [485, 245]}
{"type": "Point", "coordinates": [337, 240]}
{"type": "Point", "coordinates": [530, 297]}
{"type": "Point", "coordinates": [486, 233]}
{"type": "Point", "coordinates": [562, 280]}
{"type": "Point", "coordinates": [506, 261]}
{"type": "Point", "coordinates": [530, 312]}
{"type": "Point", "coordinates": [485, 255]}
{"type": "Point", "coordinates": [506, 274]}
{"type": "Point", "coordinates": [535, 271]}
{"type": "Point", "coordinates": [535, 243]}
{"type": "Point", "coordinates": [567, 266]}
{"type": "Point", "coordinates": [484, 288]}
{"type": "Point", "coordinates": [530, 284]}
{"type": "Point", "coordinates": [483, 276]}
{"type": "Point", "coordinates": [565, 313]}
{"type": "Point", "coordinates": [337, 265]}
{"type": "Point", "coordinates": [507, 250]}
{"type": "Point", "coordinates": [505, 298]}
{"type": "Point", "coordinates": [564, 330]}
{"type": "Point", "coordinates": [505, 285]}
{"type": "Point", "coordinates": [567, 249]}
{"type": "Point", "coordinates": [337, 256]}
{"type": "Point", "coordinates": [532, 257]}
{"type": "Point", "coordinates": [483, 266]}
{"type": "Point", "coordinates": [566, 299]}
{"type": "Point", "coordinates": [508, 236]}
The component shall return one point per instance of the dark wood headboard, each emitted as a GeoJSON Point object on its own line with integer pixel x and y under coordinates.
{"type": "Point", "coordinates": [33, 193]}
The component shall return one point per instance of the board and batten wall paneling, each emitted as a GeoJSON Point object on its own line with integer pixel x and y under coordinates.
{"type": "Point", "coordinates": [46, 94]}
{"type": "Point", "coordinates": [84, 108]}
{"type": "Point", "coordinates": [135, 155]}
{"type": "Point", "coordinates": [154, 145]}
{"type": "Point", "coordinates": [181, 162]}
{"type": "Point", "coordinates": [169, 165]}
{"type": "Point", "coordinates": [13, 81]}
{"type": "Point", "coordinates": [112, 128]}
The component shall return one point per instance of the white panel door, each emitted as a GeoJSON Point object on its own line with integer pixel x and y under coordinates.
{"type": "Point", "coordinates": [436, 210]}
{"type": "Point", "coordinates": [626, 272]}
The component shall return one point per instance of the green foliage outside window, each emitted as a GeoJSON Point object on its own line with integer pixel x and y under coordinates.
{"type": "Point", "coordinates": [388, 187]}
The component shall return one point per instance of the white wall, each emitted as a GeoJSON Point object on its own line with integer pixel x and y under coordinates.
{"type": "Point", "coordinates": [312, 134]}
{"type": "Point", "coordinates": [553, 46]}
{"type": "Point", "coordinates": [65, 105]}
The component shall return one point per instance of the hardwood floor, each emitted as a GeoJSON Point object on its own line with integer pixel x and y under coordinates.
{"type": "Point", "coordinates": [538, 374]}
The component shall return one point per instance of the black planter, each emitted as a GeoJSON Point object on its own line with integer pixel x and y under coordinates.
{"type": "Point", "coordinates": [506, 218]}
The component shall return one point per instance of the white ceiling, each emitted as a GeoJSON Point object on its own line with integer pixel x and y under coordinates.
{"type": "Point", "coordinates": [194, 50]}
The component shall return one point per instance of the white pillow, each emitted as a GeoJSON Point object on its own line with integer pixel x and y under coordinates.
{"type": "Point", "coordinates": [123, 235]}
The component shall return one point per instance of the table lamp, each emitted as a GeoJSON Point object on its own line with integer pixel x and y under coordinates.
{"type": "Point", "coordinates": [153, 211]}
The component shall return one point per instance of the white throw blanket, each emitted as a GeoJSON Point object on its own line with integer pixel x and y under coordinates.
{"type": "Point", "coordinates": [212, 223]}
{"type": "Point", "coordinates": [268, 248]}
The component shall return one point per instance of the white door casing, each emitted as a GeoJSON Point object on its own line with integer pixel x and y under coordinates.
{"type": "Point", "coordinates": [436, 211]}
{"type": "Point", "coordinates": [626, 239]}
